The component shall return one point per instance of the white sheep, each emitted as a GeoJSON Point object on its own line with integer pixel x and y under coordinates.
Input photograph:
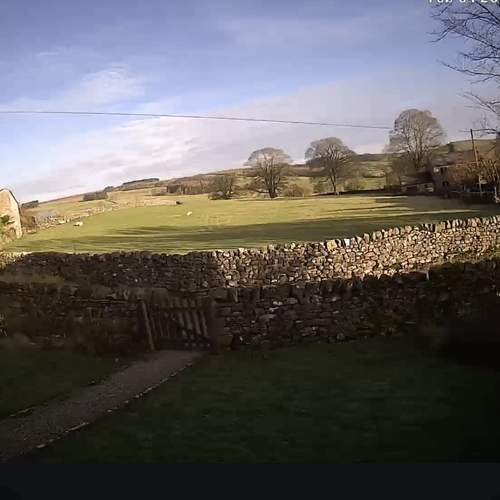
{"type": "Point", "coordinates": [189, 213]}
{"type": "Point", "coordinates": [79, 223]}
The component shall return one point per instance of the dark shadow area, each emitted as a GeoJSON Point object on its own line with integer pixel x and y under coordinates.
{"type": "Point", "coordinates": [473, 339]}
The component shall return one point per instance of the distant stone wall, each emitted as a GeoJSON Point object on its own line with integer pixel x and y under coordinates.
{"type": "Point", "coordinates": [109, 207]}
{"type": "Point", "coordinates": [382, 252]}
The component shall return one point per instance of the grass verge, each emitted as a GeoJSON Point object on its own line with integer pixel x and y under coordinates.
{"type": "Point", "coordinates": [30, 377]}
{"type": "Point", "coordinates": [373, 401]}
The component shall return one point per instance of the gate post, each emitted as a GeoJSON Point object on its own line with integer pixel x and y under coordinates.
{"type": "Point", "coordinates": [147, 325]}
{"type": "Point", "coordinates": [208, 304]}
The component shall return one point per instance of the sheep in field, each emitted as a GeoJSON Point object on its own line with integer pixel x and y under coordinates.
{"type": "Point", "coordinates": [78, 224]}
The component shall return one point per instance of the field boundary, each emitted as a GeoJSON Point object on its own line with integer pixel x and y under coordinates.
{"type": "Point", "coordinates": [77, 216]}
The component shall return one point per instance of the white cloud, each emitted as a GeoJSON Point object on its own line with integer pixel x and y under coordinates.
{"type": "Point", "coordinates": [168, 147]}
{"type": "Point", "coordinates": [95, 89]}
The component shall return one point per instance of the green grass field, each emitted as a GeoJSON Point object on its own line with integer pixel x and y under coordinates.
{"type": "Point", "coordinates": [368, 401]}
{"type": "Point", "coordinates": [248, 223]}
{"type": "Point", "coordinates": [31, 376]}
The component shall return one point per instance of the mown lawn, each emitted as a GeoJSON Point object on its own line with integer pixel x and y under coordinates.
{"type": "Point", "coordinates": [32, 376]}
{"type": "Point", "coordinates": [370, 401]}
{"type": "Point", "coordinates": [248, 223]}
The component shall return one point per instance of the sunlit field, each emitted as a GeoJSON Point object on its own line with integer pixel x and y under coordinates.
{"type": "Point", "coordinates": [247, 223]}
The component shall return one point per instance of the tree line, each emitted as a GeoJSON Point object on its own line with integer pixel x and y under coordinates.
{"type": "Point", "coordinates": [332, 163]}
{"type": "Point", "coordinates": [269, 169]}
{"type": "Point", "coordinates": [412, 145]}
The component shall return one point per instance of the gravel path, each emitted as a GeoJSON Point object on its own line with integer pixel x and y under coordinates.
{"type": "Point", "coordinates": [45, 424]}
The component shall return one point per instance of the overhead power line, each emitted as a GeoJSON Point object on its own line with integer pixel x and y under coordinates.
{"type": "Point", "coordinates": [208, 117]}
{"type": "Point", "coordinates": [193, 117]}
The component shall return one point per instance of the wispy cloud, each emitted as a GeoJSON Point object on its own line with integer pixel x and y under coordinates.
{"type": "Point", "coordinates": [93, 90]}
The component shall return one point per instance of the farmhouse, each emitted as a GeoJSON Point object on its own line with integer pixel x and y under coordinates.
{"type": "Point", "coordinates": [443, 168]}
{"type": "Point", "coordinates": [10, 206]}
{"type": "Point", "coordinates": [420, 182]}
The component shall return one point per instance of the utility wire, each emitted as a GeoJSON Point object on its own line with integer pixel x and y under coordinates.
{"type": "Point", "coordinates": [193, 117]}
{"type": "Point", "coordinates": [205, 117]}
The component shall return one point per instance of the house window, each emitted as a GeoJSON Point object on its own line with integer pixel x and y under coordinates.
{"type": "Point", "coordinates": [442, 170]}
{"type": "Point", "coordinates": [445, 184]}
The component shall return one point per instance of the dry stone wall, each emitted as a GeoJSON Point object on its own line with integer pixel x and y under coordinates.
{"type": "Point", "coordinates": [343, 309]}
{"type": "Point", "coordinates": [93, 319]}
{"type": "Point", "coordinates": [336, 290]}
{"type": "Point", "coordinates": [103, 320]}
{"type": "Point", "coordinates": [382, 252]}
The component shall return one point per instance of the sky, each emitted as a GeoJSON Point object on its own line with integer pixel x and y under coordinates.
{"type": "Point", "coordinates": [332, 61]}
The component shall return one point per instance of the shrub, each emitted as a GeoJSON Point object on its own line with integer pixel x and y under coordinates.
{"type": "Point", "coordinates": [159, 192]}
{"type": "Point", "coordinates": [30, 204]}
{"type": "Point", "coordinates": [97, 195]}
{"type": "Point", "coordinates": [223, 187]}
{"type": "Point", "coordinates": [472, 339]}
{"type": "Point", "coordinates": [297, 191]}
{"type": "Point", "coordinates": [355, 184]}
{"type": "Point", "coordinates": [28, 222]}
{"type": "Point", "coordinates": [320, 187]}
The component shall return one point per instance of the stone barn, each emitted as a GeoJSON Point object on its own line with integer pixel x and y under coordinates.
{"type": "Point", "coordinates": [10, 206]}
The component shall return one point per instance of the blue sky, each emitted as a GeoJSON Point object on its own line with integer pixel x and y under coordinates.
{"type": "Point", "coordinates": [325, 60]}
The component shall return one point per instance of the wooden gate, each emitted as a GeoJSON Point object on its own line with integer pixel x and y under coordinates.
{"type": "Point", "coordinates": [179, 323]}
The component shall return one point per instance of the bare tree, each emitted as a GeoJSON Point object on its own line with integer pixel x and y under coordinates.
{"type": "Point", "coordinates": [489, 170]}
{"type": "Point", "coordinates": [331, 160]}
{"type": "Point", "coordinates": [223, 187]}
{"type": "Point", "coordinates": [465, 175]}
{"type": "Point", "coordinates": [269, 170]}
{"type": "Point", "coordinates": [414, 135]}
{"type": "Point", "coordinates": [478, 25]}
{"type": "Point", "coordinates": [471, 174]}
